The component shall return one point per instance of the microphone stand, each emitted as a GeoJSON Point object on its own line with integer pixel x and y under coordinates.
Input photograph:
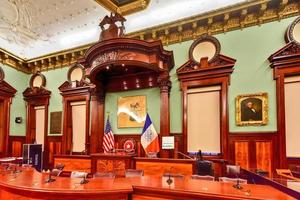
{"type": "Point", "coordinates": [238, 186]}
{"type": "Point", "coordinates": [84, 180]}
{"type": "Point", "coordinates": [169, 180]}
{"type": "Point", "coordinates": [50, 179]}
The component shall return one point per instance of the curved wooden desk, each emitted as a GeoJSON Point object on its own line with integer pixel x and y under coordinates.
{"type": "Point", "coordinates": [30, 185]}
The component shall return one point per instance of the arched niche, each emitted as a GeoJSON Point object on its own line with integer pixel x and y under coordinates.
{"type": "Point", "coordinates": [286, 66]}
{"type": "Point", "coordinates": [7, 92]}
{"type": "Point", "coordinates": [123, 64]}
{"type": "Point", "coordinates": [37, 103]}
{"type": "Point", "coordinates": [76, 92]}
{"type": "Point", "coordinates": [206, 69]}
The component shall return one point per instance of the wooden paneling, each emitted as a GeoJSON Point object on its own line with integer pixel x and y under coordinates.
{"type": "Point", "coordinates": [264, 155]}
{"type": "Point", "coordinates": [162, 166]}
{"type": "Point", "coordinates": [74, 163]}
{"type": "Point", "coordinates": [294, 164]}
{"type": "Point", "coordinates": [15, 145]}
{"type": "Point", "coordinates": [259, 148]}
{"type": "Point", "coordinates": [241, 152]}
{"type": "Point", "coordinates": [54, 148]}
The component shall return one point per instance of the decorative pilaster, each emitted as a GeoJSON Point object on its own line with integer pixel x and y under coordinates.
{"type": "Point", "coordinates": [165, 86]}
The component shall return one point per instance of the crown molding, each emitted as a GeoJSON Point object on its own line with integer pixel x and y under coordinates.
{"type": "Point", "coordinates": [240, 16]}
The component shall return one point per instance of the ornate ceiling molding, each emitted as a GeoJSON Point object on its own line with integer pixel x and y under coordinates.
{"type": "Point", "coordinates": [126, 8]}
{"type": "Point", "coordinates": [220, 21]}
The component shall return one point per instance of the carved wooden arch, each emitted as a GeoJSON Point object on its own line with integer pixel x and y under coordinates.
{"type": "Point", "coordinates": [122, 64]}
{"type": "Point", "coordinates": [7, 92]}
{"type": "Point", "coordinates": [202, 74]}
{"type": "Point", "coordinates": [285, 63]}
{"type": "Point", "coordinates": [36, 96]}
{"type": "Point", "coordinates": [74, 92]}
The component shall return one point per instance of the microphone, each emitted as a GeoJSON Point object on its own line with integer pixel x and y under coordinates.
{"type": "Point", "coordinates": [50, 179]}
{"type": "Point", "coordinates": [84, 180]}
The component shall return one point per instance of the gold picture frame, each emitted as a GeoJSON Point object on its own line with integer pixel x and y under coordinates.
{"type": "Point", "coordinates": [252, 109]}
{"type": "Point", "coordinates": [132, 111]}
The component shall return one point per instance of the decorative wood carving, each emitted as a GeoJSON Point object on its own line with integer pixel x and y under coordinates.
{"type": "Point", "coordinates": [289, 36]}
{"type": "Point", "coordinates": [7, 92]}
{"type": "Point", "coordinates": [202, 74]}
{"type": "Point", "coordinates": [122, 64]}
{"type": "Point", "coordinates": [81, 91]}
{"type": "Point", "coordinates": [36, 96]}
{"type": "Point", "coordinates": [74, 67]}
{"type": "Point", "coordinates": [113, 31]}
{"type": "Point", "coordinates": [285, 62]}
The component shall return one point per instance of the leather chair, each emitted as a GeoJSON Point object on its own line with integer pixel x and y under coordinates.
{"type": "Point", "coordinates": [204, 168]}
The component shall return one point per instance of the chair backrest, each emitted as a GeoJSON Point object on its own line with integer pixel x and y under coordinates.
{"type": "Point", "coordinates": [134, 172]}
{"type": "Point", "coordinates": [207, 177]}
{"type": "Point", "coordinates": [233, 170]}
{"type": "Point", "coordinates": [56, 172]}
{"type": "Point", "coordinates": [104, 175]}
{"type": "Point", "coordinates": [204, 167]}
{"type": "Point", "coordinates": [76, 174]}
{"type": "Point", "coordinates": [232, 180]}
{"type": "Point", "coordinates": [173, 175]}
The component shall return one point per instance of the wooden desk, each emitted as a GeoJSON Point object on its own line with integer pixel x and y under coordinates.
{"type": "Point", "coordinates": [30, 185]}
{"type": "Point", "coordinates": [111, 162]}
{"type": "Point", "coordinates": [74, 162]}
{"type": "Point", "coordinates": [159, 166]}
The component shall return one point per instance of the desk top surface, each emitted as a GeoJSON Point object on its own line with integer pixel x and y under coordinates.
{"type": "Point", "coordinates": [32, 181]}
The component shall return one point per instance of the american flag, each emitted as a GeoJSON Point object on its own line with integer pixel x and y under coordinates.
{"type": "Point", "coordinates": [108, 138]}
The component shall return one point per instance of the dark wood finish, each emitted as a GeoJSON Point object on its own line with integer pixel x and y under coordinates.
{"type": "Point", "coordinates": [15, 145]}
{"type": "Point", "coordinates": [37, 96]}
{"type": "Point", "coordinates": [81, 92]}
{"type": "Point", "coordinates": [54, 147]}
{"type": "Point", "coordinates": [122, 64]}
{"type": "Point", "coordinates": [254, 150]}
{"type": "Point", "coordinates": [74, 162]}
{"type": "Point", "coordinates": [30, 185]}
{"type": "Point", "coordinates": [294, 163]}
{"type": "Point", "coordinates": [7, 92]}
{"type": "Point", "coordinates": [111, 162]}
{"type": "Point", "coordinates": [285, 63]}
{"type": "Point", "coordinates": [72, 68]}
{"type": "Point", "coordinates": [217, 72]}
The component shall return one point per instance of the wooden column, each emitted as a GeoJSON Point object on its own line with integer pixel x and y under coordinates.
{"type": "Point", "coordinates": [97, 123]}
{"type": "Point", "coordinates": [165, 85]}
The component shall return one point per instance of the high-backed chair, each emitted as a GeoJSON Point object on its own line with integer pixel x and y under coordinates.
{"type": "Point", "coordinates": [233, 170]}
{"type": "Point", "coordinates": [76, 174]}
{"type": "Point", "coordinates": [104, 175]}
{"type": "Point", "coordinates": [204, 167]}
{"type": "Point", "coordinates": [206, 178]}
{"type": "Point", "coordinates": [232, 180]}
{"type": "Point", "coordinates": [134, 172]}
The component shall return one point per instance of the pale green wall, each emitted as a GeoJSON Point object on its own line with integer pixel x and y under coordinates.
{"type": "Point", "coordinates": [54, 79]}
{"type": "Point", "coordinates": [19, 81]}
{"type": "Point", "coordinates": [251, 47]}
{"type": "Point", "coordinates": [153, 108]}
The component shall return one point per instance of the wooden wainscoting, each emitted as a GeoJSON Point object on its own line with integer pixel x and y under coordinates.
{"type": "Point", "coordinates": [254, 150]}
{"type": "Point", "coordinates": [54, 145]}
{"type": "Point", "coordinates": [15, 145]}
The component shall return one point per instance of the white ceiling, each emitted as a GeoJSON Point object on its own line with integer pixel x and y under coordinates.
{"type": "Point", "coordinates": [32, 28]}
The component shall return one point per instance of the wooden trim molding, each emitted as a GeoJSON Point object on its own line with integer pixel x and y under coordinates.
{"type": "Point", "coordinates": [192, 75]}
{"type": "Point", "coordinates": [7, 92]}
{"type": "Point", "coordinates": [285, 63]}
{"type": "Point", "coordinates": [122, 64]}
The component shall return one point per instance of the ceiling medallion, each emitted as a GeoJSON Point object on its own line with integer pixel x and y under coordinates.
{"type": "Point", "coordinates": [124, 7]}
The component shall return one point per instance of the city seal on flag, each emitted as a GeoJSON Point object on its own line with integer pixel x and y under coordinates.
{"type": "Point", "coordinates": [149, 138]}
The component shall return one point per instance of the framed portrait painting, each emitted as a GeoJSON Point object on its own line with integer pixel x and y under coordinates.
{"type": "Point", "coordinates": [252, 109]}
{"type": "Point", "coordinates": [131, 111]}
